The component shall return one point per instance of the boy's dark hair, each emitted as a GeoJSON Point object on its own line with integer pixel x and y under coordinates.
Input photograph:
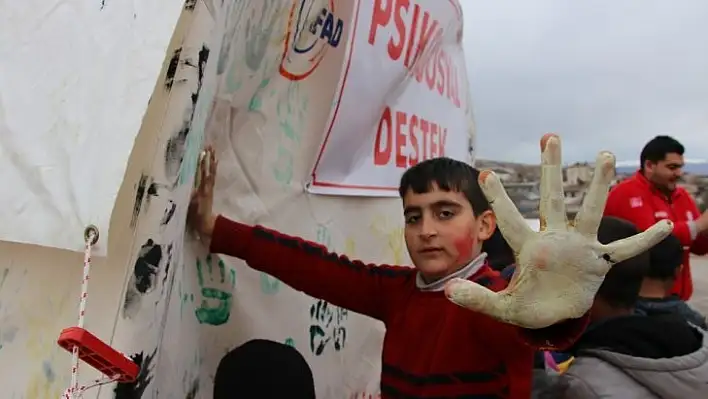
{"type": "Point", "coordinates": [449, 175]}
{"type": "Point", "coordinates": [621, 286]}
{"type": "Point", "coordinates": [657, 149]}
{"type": "Point", "coordinates": [665, 258]}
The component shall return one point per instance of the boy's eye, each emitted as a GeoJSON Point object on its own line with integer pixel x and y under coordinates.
{"type": "Point", "coordinates": [444, 214]}
{"type": "Point", "coordinates": [411, 219]}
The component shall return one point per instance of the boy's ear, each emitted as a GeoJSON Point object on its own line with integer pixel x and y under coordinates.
{"type": "Point", "coordinates": [486, 224]}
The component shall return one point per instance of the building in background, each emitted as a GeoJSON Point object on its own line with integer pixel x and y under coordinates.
{"type": "Point", "coordinates": [522, 184]}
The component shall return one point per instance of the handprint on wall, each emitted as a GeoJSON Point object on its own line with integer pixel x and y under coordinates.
{"type": "Point", "coordinates": [328, 321]}
{"type": "Point", "coordinates": [259, 32]}
{"type": "Point", "coordinates": [393, 236]}
{"type": "Point", "coordinates": [216, 291]}
{"type": "Point", "coordinates": [269, 284]}
{"type": "Point", "coordinates": [291, 110]}
{"type": "Point", "coordinates": [144, 278]}
{"type": "Point", "coordinates": [328, 326]}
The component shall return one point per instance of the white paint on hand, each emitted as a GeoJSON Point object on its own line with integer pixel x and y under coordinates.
{"type": "Point", "coordinates": [560, 266]}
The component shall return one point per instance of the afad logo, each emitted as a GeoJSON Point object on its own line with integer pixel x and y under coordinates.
{"type": "Point", "coordinates": [311, 31]}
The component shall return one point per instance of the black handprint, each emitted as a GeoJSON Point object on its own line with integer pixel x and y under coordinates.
{"type": "Point", "coordinates": [327, 326]}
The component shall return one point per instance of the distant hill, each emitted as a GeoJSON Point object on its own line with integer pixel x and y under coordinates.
{"type": "Point", "coordinates": [692, 167]}
{"type": "Point", "coordinates": [525, 172]}
{"type": "Point", "coordinates": [486, 163]}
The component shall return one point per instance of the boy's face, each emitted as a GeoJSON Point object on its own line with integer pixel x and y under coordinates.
{"type": "Point", "coordinates": [442, 233]}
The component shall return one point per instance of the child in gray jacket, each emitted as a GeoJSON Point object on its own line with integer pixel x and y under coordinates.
{"type": "Point", "coordinates": [624, 355]}
{"type": "Point", "coordinates": [654, 297]}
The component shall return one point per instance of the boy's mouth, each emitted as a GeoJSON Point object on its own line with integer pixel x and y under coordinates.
{"type": "Point", "coordinates": [430, 250]}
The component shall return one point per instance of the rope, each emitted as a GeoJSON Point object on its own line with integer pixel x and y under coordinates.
{"type": "Point", "coordinates": [75, 391]}
{"type": "Point", "coordinates": [78, 391]}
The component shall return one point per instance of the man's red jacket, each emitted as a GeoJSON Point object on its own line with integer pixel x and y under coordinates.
{"type": "Point", "coordinates": [640, 202]}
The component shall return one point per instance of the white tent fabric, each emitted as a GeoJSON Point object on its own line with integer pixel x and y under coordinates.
{"type": "Point", "coordinates": [75, 80]}
{"type": "Point", "coordinates": [157, 295]}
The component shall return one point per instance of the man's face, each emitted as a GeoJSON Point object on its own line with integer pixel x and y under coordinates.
{"type": "Point", "coordinates": [442, 233]}
{"type": "Point", "coordinates": [665, 174]}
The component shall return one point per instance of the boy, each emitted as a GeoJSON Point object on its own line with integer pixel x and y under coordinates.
{"type": "Point", "coordinates": [623, 355]}
{"type": "Point", "coordinates": [432, 347]}
{"type": "Point", "coordinates": [665, 263]}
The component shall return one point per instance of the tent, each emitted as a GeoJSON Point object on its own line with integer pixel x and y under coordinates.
{"type": "Point", "coordinates": [315, 108]}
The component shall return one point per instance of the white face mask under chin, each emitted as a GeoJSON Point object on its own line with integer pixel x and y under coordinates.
{"type": "Point", "coordinates": [464, 273]}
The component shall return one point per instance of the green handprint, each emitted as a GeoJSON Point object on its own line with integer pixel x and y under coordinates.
{"type": "Point", "coordinates": [323, 236]}
{"type": "Point", "coordinates": [258, 33]}
{"type": "Point", "coordinates": [233, 22]}
{"type": "Point", "coordinates": [219, 314]}
{"type": "Point", "coordinates": [291, 119]}
{"type": "Point", "coordinates": [283, 167]}
{"type": "Point", "coordinates": [256, 103]}
{"type": "Point", "coordinates": [269, 284]}
{"type": "Point", "coordinates": [327, 326]}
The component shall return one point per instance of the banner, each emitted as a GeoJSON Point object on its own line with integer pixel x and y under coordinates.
{"type": "Point", "coordinates": [402, 98]}
{"type": "Point", "coordinates": [75, 81]}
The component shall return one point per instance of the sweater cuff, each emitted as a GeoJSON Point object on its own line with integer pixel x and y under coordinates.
{"type": "Point", "coordinates": [230, 238]}
{"type": "Point", "coordinates": [557, 337]}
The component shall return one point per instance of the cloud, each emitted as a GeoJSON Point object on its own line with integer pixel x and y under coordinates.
{"type": "Point", "coordinates": [604, 74]}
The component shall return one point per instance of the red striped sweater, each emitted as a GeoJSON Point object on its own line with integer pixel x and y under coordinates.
{"type": "Point", "coordinates": [432, 348]}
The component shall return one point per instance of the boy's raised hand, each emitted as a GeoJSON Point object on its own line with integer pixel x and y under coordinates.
{"type": "Point", "coordinates": [559, 269]}
{"type": "Point", "coordinates": [200, 216]}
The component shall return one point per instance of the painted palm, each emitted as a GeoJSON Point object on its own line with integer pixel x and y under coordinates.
{"type": "Point", "coordinates": [561, 267]}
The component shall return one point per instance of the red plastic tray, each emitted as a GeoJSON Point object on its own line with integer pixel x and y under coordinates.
{"type": "Point", "coordinates": [98, 354]}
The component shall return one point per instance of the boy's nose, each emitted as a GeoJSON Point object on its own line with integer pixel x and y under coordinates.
{"type": "Point", "coordinates": [427, 228]}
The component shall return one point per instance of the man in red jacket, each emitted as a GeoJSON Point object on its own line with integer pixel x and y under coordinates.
{"type": "Point", "coordinates": [652, 194]}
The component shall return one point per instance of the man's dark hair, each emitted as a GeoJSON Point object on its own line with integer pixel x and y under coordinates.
{"type": "Point", "coordinates": [657, 149]}
{"type": "Point", "coordinates": [621, 286]}
{"type": "Point", "coordinates": [448, 175]}
{"type": "Point", "coordinates": [665, 258]}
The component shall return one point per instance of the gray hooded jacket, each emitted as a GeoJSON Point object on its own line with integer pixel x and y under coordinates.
{"type": "Point", "coordinates": [631, 358]}
{"type": "Point", "coordinates": [672, 304]}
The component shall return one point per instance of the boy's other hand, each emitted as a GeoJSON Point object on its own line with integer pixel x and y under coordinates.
{"type": "Point", "coordinates": [560, 268]}
{"type": "Point", "coordinates": [200, 217]}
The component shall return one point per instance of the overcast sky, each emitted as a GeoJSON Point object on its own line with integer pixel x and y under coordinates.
{"type": "Point", "coordinates": [605, 74]}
